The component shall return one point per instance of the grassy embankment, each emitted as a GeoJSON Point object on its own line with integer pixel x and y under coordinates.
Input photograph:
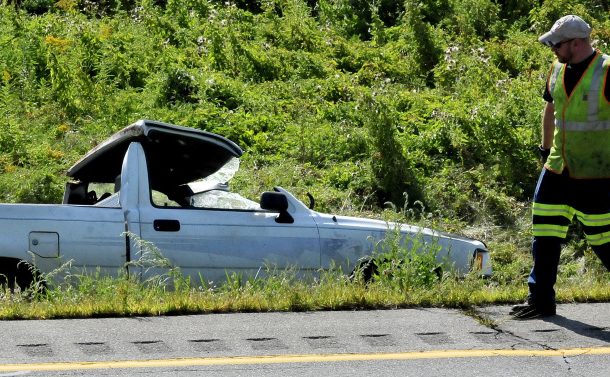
{"type": "Point", "coordinates": [357, 103]}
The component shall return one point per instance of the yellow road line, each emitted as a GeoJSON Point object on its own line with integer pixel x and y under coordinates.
{"type": "Point", "coordinates": [314, 358]}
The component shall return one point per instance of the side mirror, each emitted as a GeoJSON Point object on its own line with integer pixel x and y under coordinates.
{"type": "Point", "coordinates": [277, 202]}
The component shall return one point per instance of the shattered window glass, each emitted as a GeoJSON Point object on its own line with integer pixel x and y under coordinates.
{"type": "Point", "coordinates": [213, 191]}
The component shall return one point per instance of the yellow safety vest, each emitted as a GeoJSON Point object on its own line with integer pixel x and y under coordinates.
{"type": "Point", "coordinates": [581, 142]}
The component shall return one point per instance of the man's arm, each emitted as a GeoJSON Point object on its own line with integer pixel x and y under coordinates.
{"type": "Point", "coordinates": [548, 125]}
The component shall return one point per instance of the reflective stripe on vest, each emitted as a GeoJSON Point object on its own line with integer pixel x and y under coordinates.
{"type": "Point", "coordinates": [600, 125]}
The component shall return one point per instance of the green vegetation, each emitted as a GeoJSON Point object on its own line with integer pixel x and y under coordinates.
{"type": "Point", "coordinates": [358, 102]}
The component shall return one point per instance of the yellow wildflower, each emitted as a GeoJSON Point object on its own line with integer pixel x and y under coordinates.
{"type": "Point", "coordinates": [6, 76]}
{"type": "Point", "coordinates": [55, 154]}
{"type": "Point", "coordinates": [59, 43]}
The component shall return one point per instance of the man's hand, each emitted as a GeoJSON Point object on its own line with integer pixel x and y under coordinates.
{"type": "Point", "coordinates": [543, 153]}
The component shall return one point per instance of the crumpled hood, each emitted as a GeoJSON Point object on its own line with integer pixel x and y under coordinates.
{"type": "Point", "coordinates": [344, 235]}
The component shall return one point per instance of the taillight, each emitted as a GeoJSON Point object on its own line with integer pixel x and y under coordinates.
{"type": "Point", "coordinates": [477, 263]}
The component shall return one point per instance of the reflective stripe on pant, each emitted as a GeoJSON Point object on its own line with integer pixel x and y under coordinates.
{"type": "Point", "coordinates": [558, 199]}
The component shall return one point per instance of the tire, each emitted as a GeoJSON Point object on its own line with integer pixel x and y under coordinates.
{"type": "Point", "coordinates": [15, 273]}
{"type": "Point", "coordinates": [365, 269]}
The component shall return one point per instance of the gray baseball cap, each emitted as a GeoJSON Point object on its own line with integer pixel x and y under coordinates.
{"type": "Point", "coordinates": [567, 27]}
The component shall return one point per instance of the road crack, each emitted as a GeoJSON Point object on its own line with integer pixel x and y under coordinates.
{"type": "Point", "coordinates": [489, 322]}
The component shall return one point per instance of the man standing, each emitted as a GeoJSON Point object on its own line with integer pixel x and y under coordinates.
{"type": "Point", "coordinates": [575, 149]}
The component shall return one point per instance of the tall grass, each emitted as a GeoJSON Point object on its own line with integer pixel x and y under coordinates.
{"type": "Point", "coordinates": [99, 296]}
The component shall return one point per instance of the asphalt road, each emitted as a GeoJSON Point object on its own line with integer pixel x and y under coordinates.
{"type": "Point", "coordinates": [409, 342]}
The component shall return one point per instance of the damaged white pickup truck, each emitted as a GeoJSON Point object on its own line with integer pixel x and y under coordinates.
{"type": "Point", "coordinates": [168, 185]}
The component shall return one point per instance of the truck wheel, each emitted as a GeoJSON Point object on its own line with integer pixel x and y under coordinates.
{"type": "Point", "coordinates": [15, 273]}
{"type": "Point", "coordinates": [365, 269]}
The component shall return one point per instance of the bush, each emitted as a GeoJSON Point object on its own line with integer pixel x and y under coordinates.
{"type": "Point", "coordinates": [357, 102]}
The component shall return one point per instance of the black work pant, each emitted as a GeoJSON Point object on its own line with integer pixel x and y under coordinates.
{"type": "Point", "coordinates": [558, 199]}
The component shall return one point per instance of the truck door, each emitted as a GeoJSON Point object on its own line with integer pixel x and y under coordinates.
{"type": "Point", "coordinates": [210, 243]}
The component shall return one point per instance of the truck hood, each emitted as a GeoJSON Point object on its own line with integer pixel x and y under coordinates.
{"type": "Point", "coordinates": [374, 226]}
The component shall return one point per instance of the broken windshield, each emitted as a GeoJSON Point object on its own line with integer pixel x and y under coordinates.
{"type": "Point", "coordinates": [213, 191]}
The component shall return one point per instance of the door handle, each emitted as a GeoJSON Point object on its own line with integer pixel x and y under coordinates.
{"type": "Point", "coordinates": [164, 225]}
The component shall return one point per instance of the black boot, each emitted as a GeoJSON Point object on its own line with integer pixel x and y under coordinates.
{"type": "Point", "coordinates": [531, 310]}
